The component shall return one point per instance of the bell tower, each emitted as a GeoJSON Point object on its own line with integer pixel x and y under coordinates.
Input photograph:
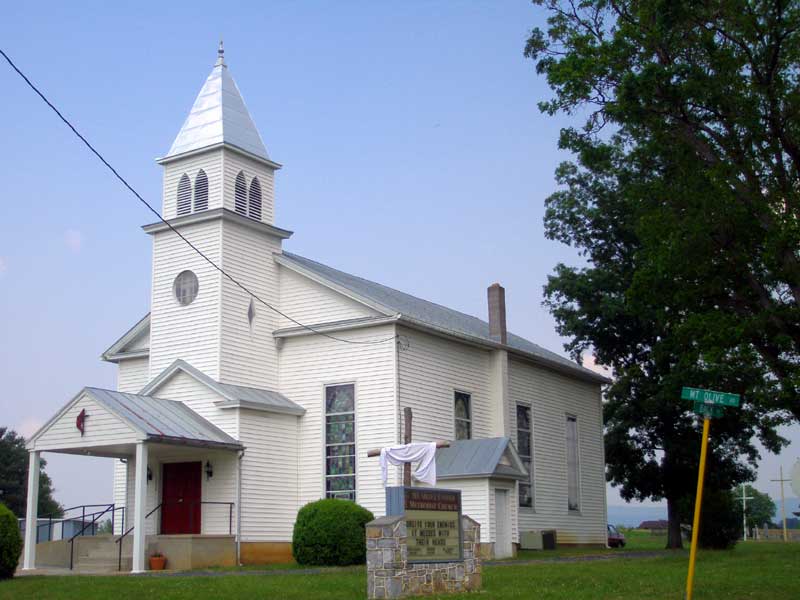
{"type": "Point", "coordinates": [218, 192]}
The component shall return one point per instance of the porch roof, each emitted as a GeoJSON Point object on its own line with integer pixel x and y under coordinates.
{"type": "Point", "coordinates": [487, 457]}
{"type": "Point", "coordinates": [152, 419]}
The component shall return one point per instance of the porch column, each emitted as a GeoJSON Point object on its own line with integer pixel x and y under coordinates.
{"type": "Point", "coordinates": [140, 509]}
{"type": "Point", "coordinates": [32, 511]}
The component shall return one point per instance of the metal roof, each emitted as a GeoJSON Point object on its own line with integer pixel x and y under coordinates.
{"type": "Point", "coordinates": [479, 458]}
{"type": "Point", "coordinates": [162, 420]}
{"type": "Point", "coordinates": [432, 314]}
{"type": "Point", "coordinates": [219, 115]}
{"type": "Point", "coordinates": [234, 395]}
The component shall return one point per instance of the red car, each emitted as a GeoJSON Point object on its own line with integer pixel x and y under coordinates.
{"type": "Point", "coordinates": [616, 539]}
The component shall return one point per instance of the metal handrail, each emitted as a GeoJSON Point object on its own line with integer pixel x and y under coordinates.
{"type": "Point", "coordinates": [92, 523]}
{"type": "Point", "coordinates": [61, 515]}
{"type": "Point", "coordinates": [158, 507]}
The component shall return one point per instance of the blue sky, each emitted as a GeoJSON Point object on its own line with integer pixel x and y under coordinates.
{"type": "Point", "coordinates": [412, 147]}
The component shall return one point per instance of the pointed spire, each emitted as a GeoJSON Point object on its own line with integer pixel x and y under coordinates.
{"type": "Point", "coordinates": [220, 55]}
{"type": "Point", "coordinates": [219, 115]}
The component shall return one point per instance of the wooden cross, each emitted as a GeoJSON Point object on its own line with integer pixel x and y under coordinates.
{"type": "Point", "coordinates": [781, 480]}
{"type": "Point", "coordinates": [407, 419]}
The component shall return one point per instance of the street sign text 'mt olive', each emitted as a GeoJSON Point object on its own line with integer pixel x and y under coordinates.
{"type": "Point", "coordinates": [710, 397]}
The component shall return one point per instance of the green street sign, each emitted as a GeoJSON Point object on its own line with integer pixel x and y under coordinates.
{"type": "Point", "coordinates": [709, 397]}
{"type": "Point", "coordinates": [710, 410]}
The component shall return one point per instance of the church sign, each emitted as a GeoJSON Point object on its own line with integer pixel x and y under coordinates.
{"type": "Point", "coordinates": [433, 521]}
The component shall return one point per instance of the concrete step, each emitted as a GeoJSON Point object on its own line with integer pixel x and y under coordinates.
{"type": "Point", "coordinates": [102, 565]}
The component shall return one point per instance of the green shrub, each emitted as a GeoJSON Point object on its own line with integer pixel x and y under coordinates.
{"type": "Point", "coordinates": [331, 533]}
{"type": "Point", "coordinates": [10, 543]}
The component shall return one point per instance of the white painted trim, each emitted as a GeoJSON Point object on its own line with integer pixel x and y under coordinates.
{"type": "Point", "coordinates": [228, 404]}
{"type": "Point", "coordinates": [31, 511]}
{"type": "Point", "coordinates": [228, 146]}
{"type": "Point", "coordinates": [360, 323]}
{"type": "Point", "coordinates": [134, 332]}
{"type": "Point", "coordinates": [140, 508]}
{"type": "Point", "coordinates": [215, 214]}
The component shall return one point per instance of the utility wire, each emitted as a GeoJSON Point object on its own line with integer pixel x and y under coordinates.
{"type": "Point", "coordinates": [168, 224]}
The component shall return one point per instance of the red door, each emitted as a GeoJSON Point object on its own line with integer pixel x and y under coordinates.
{"type": "Point", "coordinates": [180, 508]}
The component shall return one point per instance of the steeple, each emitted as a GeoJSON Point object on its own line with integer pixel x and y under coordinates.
{"type": "Point", "coordinates": [219, 115]}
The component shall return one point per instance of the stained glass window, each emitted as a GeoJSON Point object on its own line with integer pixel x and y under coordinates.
{"type": "Point", "coordinates": [340, 442]}
{"type": "Point", "coordinates": [524, 449]}
{"type": "Point", "coordinates": [463, 416]}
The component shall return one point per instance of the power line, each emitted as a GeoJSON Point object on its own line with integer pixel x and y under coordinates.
{"type": "Point", "coordinates": [168, 224]}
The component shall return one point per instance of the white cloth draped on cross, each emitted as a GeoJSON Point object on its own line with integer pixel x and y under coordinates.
{"type": "Point", "coordinates": [424, 454]}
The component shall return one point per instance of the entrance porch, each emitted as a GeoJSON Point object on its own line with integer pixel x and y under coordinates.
{"type": "Point", "coordinates": [182, 483]}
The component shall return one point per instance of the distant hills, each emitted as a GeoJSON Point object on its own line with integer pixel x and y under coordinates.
{"type": "Point", "coordinates": [630, 515]}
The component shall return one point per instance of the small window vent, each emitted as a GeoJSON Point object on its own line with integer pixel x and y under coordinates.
{"type": "Point", "coordinates": [255, 200]}
{"type": "Point", "coordinates": [201, 191]}
{"type": "Point", "coordinates": [241, 194]}
{"type": "Point", "coordinates": [184, 196]}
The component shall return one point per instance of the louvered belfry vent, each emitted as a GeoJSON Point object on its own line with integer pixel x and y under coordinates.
{"type": "Point", "coordinates": [184, 196]}
{"type": "Point", "coordinates": [241, 194]}
{"type": "Point", "coordinates": [201, 191]}
{"type": "Point", "coordinates": [254, 209]}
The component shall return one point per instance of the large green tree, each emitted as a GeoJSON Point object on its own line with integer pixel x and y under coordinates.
{"type": "Point", "coordinates": [683, 199]}
{"type": "Point", "coordinates": [14, 477]}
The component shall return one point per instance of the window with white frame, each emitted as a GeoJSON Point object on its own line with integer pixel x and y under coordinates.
{"type": "Point", "coordinates": [340, 442]}
{"type": "Point", "coordinates": [524, 449]}
{"type": "Point", "coordinates": [573, 466]}
{"type": "Point", "coordinates": [463, 414]}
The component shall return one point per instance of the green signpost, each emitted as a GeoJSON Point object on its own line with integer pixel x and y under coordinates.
{"type": "Point", "coordinates": [707, 404]}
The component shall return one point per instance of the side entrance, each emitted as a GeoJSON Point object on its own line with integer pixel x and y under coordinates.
{"type": "Point", "coordinates": [180, 497]}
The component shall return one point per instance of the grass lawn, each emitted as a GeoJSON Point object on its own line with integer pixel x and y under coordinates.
{"type": "Point", "coordinates": [753, 571]}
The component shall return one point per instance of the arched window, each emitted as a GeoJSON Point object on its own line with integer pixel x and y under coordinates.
{"type": "Point", "coordinates": [184, 196]}
{"type": "Point", "coordinates": [201, 191]}
{"type": "Point", "coordinates": [241, 194]}
{"type": "Point", "coordinates": [254, 211]}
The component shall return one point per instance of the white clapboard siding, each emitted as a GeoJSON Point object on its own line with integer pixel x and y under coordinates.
{"type": "Point", "coordinates": [308, 363]}
{"type": "Point", "coordinates": [235, 162]}
{"type": "Point", "coordinates": [133, 374]}
{"type": "Point", "coordinates": [187, 332]}
{"type": "Point", "coordinates": [474, 501]}
{"type": "Point", "coordinates": [247, 354]}
{"type": "Point", "coordinates": [552, 396]}
{"type": "Point", "coordinates": [210, 162]}
{"type": "Point", "coordinates": [200, 399]}
{"type": "Point", "coordinates": [431, 370]}
{"type": "Point", "coordinates": [141, 342]}
{"type": "Point", "coordinates": [102, 428]}
{"type": "Point", "coordinates": [152, 523]}
{"type": "Point", "coordinates": [269, 475]}
{"type": "Point", "coordinates": [310, 302]}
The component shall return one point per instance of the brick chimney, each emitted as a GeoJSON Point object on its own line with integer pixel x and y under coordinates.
{"type": "Point", "coordinates": [497, 313]}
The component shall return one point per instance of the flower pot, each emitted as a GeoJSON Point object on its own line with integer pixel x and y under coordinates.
{"type": "Point", "coordinates": [157, 563]}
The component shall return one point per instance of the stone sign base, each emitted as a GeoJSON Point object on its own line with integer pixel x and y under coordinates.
{"type": "Point", "coordinates": [390, 575]}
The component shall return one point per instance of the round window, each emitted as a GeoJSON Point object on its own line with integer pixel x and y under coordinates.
{"type": "Point", "coordinates": [185, 287]}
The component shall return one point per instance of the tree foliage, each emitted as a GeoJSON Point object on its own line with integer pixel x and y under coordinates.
{"type": "Point", "coordinates": [760, 508]}
{"type": "Point", "coordinates": [683, 198]}
{"type": "Point", "coordinates": [14, 477]}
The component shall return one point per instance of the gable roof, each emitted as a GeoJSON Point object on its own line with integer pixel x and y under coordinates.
{"type": "Point", "coordinates": [234, 396]}
{"type": "Point", "coordinates": [155, 419]}
{"type": "Point", "coordinates": [121, 349]}
{"type": "Point", "coordinates": [416, 310]}
{"type": "Point", "coordinates": [219, 115]}
{"type": "Point", "coordinates": [479, 458]}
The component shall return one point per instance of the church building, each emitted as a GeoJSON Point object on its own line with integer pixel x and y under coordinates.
{"type": "Point", "coordinates": [230, 415]}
